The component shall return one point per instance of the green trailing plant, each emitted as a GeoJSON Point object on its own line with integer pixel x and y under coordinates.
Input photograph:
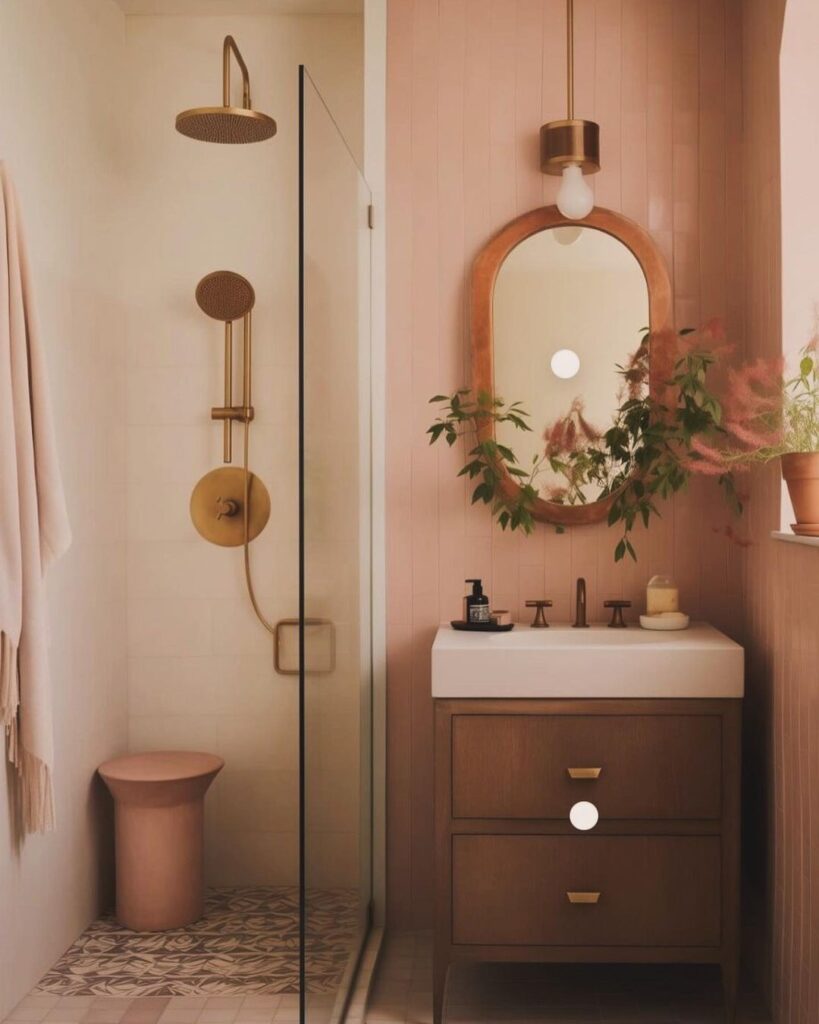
{"type": "Point", "coordinates": [463, 415]}
{"type": "Point", "coordinates": [660, 435]}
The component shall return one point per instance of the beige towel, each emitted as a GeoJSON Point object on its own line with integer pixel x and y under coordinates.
{"type": "Point", "coordinates": [34, 528]}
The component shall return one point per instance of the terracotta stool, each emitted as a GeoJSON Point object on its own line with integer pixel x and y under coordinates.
{"type": "Point", "coordinates": [159, 800]}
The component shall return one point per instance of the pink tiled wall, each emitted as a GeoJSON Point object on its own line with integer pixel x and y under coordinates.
{"type": "Point", "coordinates": [469, 84]}
{"type": "Point", "coordinates": [781, 591]}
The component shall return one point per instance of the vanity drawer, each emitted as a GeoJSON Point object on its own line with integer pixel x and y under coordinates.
{"type": "Point", "coordinates": [651, 766]}
{"type": "Point", "coordinates": [654, 890]}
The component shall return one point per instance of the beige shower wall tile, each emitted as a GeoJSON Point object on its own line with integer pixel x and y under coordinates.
{"type": "Point", "coordinates": [163, 395]}
{"type": "Point", "coordinates": [334, 804]}
{"type": "Point", "coordinates": [258, 800]}
{"type": "Point", "coordinates": [251, 742]}
{"type": "Point", "coordinates": [173, 732]}
{"type": "Point", "coordinates": [148, 520]}
{"type": "Point", "coordinates": [334, 859]}
{"type": "Point", "coordinates": [169, 627]}
{"type": "Point", "coordinates": [184, 569]}
{"type": "Point", "coordinates": [158, 455]}
{"type": "Point", "coordinates": [212, 685]}
{"type": "Point", "coordinates": [173, 686]}
{"type": "Point", "coordinates": [252, 858]}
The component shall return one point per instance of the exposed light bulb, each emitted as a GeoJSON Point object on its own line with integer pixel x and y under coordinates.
{"type": "Point", "coordinates": [575, 199]}
{"type": "Point", "coordinates": [565, 363]}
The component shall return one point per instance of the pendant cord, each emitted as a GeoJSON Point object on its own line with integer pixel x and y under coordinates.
{"type": "Point", "coordinates": [570, 56]}
{"type": "Point", "coordinates": [246, 517]}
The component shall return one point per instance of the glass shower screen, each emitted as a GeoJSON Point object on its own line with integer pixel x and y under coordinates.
{"type": "Point", "coordinates": [334, 559]}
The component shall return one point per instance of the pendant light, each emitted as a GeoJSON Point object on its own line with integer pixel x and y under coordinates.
{"type": "Point", "coordinates": [571, 148]}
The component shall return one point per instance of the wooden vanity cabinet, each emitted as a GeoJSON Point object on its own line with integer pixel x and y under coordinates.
{"type": "Point", "coordinates": [656, 880]}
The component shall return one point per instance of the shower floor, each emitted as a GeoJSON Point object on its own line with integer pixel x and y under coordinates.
{"type": "Point", "coordinates": [247, 943]}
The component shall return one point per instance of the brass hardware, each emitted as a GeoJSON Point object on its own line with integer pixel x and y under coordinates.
{"type": "Point", "coordinates": [228, 425]}
{"type": "Point", "coordinates": [226, 507]}
{"type": "Point", "coordinates": [234, 412]}
{"type": "Point", "coordinates": [617, 620]}
{"type": "Point", "coordinates": [279, 656]}
{"type": "Point", "coordinates": [583, 897]}
{"type": "Point", "coordinates": [219, 498]}
{"type": "Point", "coordinates": [573, 140]}
{"type": "Point", "coordinates": [227, 124]}
{"type": "Point", "coordinates": [228, 46]}
{"type": "Point", "coordinates": [584, 773]}
{"type": "Point", "coordinates": [580, 606]}
{"type": "Point", "coordinates": [225, 295]}
{"type": "Point", "coordinates": [539, 621]}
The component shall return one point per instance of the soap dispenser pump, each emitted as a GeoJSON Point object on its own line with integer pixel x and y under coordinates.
{"type": "Point", "coordinates": [476, 603]}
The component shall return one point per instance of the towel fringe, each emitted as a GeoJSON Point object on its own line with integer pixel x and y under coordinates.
{"type": "Point", "coordinates": [33, 774]}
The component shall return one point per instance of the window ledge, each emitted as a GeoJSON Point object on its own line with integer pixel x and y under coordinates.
{"type": "Point", "coordinates": [792, 538]}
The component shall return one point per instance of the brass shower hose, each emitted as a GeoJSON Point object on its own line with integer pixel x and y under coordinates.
{"type": "Point", "coordinates": [246, 534]}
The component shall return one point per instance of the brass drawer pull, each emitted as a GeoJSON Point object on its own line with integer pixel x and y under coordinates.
{"type": "Point", "coordinates": [583, 897]}
{"type": "Point", "coordinates": [584, 773]}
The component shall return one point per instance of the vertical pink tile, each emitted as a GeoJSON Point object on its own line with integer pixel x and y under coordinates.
{"type": "Point", "coordinates": [634, 107]}
{"type": "Point", "coordinates": [528, 103]}
{"type": "Point", "coordinates": [470, 82]}
{"type": "Point", "coordinates": [607, 64]}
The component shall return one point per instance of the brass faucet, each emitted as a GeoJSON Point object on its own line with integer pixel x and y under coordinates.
{"type": "Point", "coordinates": [580, 606]}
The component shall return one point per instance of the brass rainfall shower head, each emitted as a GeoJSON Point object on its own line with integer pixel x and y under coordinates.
{"type": "Point", "coordinates": [227, 124]}
{"type": "Point", "coordinates": [225, 295]}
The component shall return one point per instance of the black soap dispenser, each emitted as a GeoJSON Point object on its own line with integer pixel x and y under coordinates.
{"type": "Point", "coordinates": [476, 604]}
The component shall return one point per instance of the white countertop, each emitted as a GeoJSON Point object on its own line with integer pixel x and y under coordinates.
{"type": "Point", "coordinates": [596, 662]}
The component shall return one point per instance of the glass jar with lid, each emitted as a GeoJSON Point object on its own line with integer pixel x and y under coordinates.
{"type": "Point", "coordinates": [662, 595]}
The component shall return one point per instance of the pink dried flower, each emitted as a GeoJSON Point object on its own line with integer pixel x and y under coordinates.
{"type": "Point", "coordinates": [570, 433]}
{"type": "Point", "coordinates": [708, 452]}
{"type": "Point", "coordinates": [754, 439]}
{"type": "Point", "coordinates": [703, 466]}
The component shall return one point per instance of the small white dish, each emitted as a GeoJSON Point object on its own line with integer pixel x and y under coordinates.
{"type": "Point", "coordinates": [665, 620]}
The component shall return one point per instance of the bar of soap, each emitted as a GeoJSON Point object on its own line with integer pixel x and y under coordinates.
{"type": "Point", "coordinates": [665, 620]}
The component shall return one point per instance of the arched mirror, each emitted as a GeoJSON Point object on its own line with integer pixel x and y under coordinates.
{"type": "Point", "coordinates": [557, 305]}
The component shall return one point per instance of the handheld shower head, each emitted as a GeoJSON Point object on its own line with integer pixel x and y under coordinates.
{"type": "Point", "coordinates": [225, 295]}
{"type": "Point", "coordinates": [226, 124]}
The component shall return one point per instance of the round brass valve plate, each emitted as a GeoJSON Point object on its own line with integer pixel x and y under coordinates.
{"type": "Point", "coordinates": [217, 506]}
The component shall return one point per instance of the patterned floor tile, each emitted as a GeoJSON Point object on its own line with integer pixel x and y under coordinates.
{"type": "Point", "coordinates": [246, 943]}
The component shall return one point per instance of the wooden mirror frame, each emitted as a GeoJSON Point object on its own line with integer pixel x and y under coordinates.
{"type": "Point", "coordinates": [484, 274]}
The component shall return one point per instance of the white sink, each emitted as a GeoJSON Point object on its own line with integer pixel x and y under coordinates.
{"type": "Point", "coordinates": [596, 662]}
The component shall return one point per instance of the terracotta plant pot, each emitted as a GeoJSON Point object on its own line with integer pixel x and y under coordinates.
{"type": "Point", "coordinates": [800, 471]}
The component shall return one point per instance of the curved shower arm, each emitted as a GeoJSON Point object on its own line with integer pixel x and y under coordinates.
{"type": "Point", "coordinates": [230, 44]}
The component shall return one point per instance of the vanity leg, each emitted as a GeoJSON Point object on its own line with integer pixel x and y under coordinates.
{"type": "Point", "coordinates": [730, 984]}
{"type": "Point", "coordinates": [440, 966]}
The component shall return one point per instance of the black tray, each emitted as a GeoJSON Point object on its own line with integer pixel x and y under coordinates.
{"type": "Point", "coordinates": [481, 627]}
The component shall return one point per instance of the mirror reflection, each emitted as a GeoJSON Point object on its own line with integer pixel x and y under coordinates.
{"type": "Point", "coordinates": [569, 305]}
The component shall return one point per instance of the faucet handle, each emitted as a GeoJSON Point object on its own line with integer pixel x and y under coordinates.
{"type": "Point", "coordinates": [617, 621]}
{"type": "Point", "coordinates": [539, 621]}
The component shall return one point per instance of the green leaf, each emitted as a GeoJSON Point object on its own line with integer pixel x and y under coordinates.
{"type": "Point", "coordinates": [620, 551]}
{"type": "Point", "coordinates": [438, 398]}
{"type": "Point", "coordinates": [806, 366]}
{"type": "Point", "coordinates": [507, 453]}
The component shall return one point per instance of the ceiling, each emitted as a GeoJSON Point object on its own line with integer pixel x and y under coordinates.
{"type": "Point", "coordinates": [196, 7]}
